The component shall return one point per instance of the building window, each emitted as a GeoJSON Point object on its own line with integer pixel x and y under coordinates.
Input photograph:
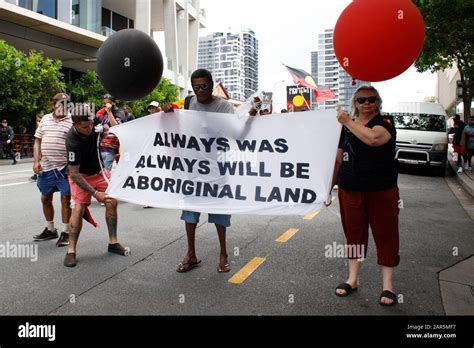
{"type": "Point", "coordinates": [45, 7]}
{"type": "Point", "coordinates": [106, 18]}
{"type": "Point", "coordinates": [75, 13]}
{"type": "Point", "coordinates": [119, 22]}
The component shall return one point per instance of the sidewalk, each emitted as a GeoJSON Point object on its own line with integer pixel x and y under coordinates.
{"type": "Point", "coordinates": [457, 282]}
{"type": "Point", "coordinates": [466, 178]}
{"type": "Point", "coordinates": [8, 162]}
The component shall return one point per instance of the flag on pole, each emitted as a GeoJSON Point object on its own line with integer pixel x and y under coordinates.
{"type": "Point", "coordinates": [302, 78]}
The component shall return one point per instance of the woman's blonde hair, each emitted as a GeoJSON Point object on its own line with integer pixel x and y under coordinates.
{"type": "Point", "coordinates": [378, 102]}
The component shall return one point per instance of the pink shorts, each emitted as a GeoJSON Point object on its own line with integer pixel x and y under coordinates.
{"type": "Point", "coordinates": [97, 182]}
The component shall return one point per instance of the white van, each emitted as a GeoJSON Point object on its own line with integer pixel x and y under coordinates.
{"type": "Point", "coordinates": [422, 134]}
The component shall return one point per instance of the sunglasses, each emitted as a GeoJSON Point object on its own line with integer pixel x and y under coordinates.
{"type": "Point", "coordinates": [371, 100]}
{"type": "Point", "coordinates": [204, 87]}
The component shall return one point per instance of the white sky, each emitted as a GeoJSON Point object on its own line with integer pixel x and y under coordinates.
{"type": "Point", "coordinates": [288, 30]}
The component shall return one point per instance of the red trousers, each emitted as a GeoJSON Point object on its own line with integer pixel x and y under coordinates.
{"type": "Point", "coordinates": [380, 211]}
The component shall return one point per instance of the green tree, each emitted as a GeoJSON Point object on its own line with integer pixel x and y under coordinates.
{"type": "Point", "coordinates": [449, 41]}
{"type": "Point", "coordinates": [87, 89]}
{"type": "Point", "coordinates": [27, 83]}
{"type": "Point", "coordinates": [164, 92]}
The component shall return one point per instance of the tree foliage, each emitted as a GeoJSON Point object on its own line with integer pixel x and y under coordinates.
{"type": "Point", "coordinates": [89, 89]}
{"type": "Point", "coordinates": [449, 41]}
{"type": "Point", "coordinates": [27, 83]}
{"type": "Point", "coordinates": [164, 92]}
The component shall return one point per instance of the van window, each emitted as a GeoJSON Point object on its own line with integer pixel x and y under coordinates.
{"type": "Point", "coordinates": [421, 122]}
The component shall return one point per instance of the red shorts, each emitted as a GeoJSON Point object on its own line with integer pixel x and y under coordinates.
{"type": "Point", "coordinates": [379, 210]}
{"type": "Point", "coordinates": [459, 149]}
{"type": "Point", "coordinates": [97, 181]}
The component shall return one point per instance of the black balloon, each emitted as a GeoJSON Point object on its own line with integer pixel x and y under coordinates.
{"type": "Point", "coordinates": [129, 64]}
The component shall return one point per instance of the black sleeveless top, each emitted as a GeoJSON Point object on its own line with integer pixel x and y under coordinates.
{"type": "Point", "coordinates": [368, 168]}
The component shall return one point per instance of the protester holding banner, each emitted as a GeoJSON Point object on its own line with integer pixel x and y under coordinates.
{"type": "Point", "coordinates": [88, 179]}
{"type": "Point", "coordinates": [203, 86]}
{"type": "Point", "coordinates": [368, 192]}
{"type": "Point", "coordinates": [110, 115]}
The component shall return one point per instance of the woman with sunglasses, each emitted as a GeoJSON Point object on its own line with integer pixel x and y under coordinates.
{"type": "Point", "coordinates": [367, 176]}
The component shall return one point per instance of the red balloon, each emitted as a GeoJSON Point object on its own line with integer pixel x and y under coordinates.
{"type": "Point", "coordinates": [377, 40]}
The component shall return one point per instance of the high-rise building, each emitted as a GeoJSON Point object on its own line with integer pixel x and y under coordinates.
{"type": "Point", "coordinates": [332, 75]}
{"type": "Point", "coordinates": [232, 58]}
{"type": "Point", "coordinates": [74, 30]}
{"type": "Point", "coordinates": [314, 66]}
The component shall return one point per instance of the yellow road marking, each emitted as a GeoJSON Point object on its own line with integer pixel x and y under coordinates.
{"type": "Point", "coordinates": [246, 271]}
{"type": "Point", "coordinates": [287, 235]}
{"type": "Point", "coordinates": [312, 215]}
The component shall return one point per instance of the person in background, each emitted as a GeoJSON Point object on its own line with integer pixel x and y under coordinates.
{"type": "Point", "coordinates": [6, 139]}
{"type": "Point", "coordinates": [128, 115]}
{"type": "Point", "coordinates": [109, 116]}
{"type": "Point", "coordinates": [457, 130]}
{"type": "Point", "coordinates": [50, 164]}
{"type": "Point", "coordinates": [467, 141]}
{"type": "Point", "coordinates": [153, 108]}
{"type": "Point", "coordinates": [366, 173]}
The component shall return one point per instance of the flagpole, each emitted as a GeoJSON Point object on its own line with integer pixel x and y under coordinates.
{"type": "Point", "coordinates": [301, 94]}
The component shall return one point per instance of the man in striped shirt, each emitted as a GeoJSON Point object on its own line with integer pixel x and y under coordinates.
{"type": "Point", "coordinates": [50, 166]}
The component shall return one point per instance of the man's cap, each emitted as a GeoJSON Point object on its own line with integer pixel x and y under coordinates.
{"type": "Point", "coordinates": [61, 96]}
{"type": "Point", "coordinates": [154, 104]}
{"type": "Point", "coordinates": [109, 97]}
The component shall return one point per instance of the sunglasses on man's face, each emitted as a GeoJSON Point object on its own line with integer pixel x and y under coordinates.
{"type": "Point", "coordinates": [371, 100]}
{"type": "Point", "coordinates": [203, 86]}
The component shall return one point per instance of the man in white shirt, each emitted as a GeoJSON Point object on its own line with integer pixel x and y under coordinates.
{"type": "Point", "coordinates": [50, 164]}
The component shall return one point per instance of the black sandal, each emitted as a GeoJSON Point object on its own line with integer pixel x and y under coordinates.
{"type": "Point", "coordinates": [390, 295]}
{"type": "Point", "coordinates": [347, 288]}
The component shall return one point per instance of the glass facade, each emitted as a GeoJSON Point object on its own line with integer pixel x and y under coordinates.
{"type": "Point", "coordinates": [45, 7]}
{"type": "Point", "coordinates": [87, 14]}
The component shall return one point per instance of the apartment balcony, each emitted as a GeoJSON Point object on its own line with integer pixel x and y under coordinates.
{"type": "Point", "coordinates": [106, 31]}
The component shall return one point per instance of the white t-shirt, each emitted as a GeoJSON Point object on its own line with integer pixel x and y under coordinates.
{"type": "Point", "coordinates": [218, 105]}
{"type": "Point", "coordinates": [52, 132]}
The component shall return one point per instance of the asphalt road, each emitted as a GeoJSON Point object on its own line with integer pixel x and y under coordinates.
{"type": "Point", "coordinates": [295, 278]}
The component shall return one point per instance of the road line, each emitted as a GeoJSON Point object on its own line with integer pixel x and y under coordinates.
{"type": "Point", "coordinates": [15, 184]}
{"type": "Point", "coordinates": [287, 235]}
{"type": "Point", "coordinates": [312, 215]}
{"type": "Point", "coordinates": [246, 271]}
{"type": "Point", "coordinates": [19, 171]}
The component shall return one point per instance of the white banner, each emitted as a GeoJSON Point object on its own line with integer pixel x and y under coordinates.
{"type": "Point", "coordinates": [226, 164]}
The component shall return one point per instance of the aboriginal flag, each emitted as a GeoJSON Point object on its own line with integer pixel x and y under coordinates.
{"type": "Point", "coordinates": [302, 78]}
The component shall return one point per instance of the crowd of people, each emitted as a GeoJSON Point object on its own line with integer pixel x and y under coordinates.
{"type": "Point", "coordinates": [463, 142]}
{"type": "Point", "coordinates": [74, 155]}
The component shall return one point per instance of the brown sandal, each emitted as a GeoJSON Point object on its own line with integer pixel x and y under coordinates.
{"type": "Point", "coordinates": [184, 267]}
{"type": "Point", "coordinates": [224, 269]}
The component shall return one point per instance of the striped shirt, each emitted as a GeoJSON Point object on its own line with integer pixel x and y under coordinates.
{"type": "Point", "coordinates": [52, 133]}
